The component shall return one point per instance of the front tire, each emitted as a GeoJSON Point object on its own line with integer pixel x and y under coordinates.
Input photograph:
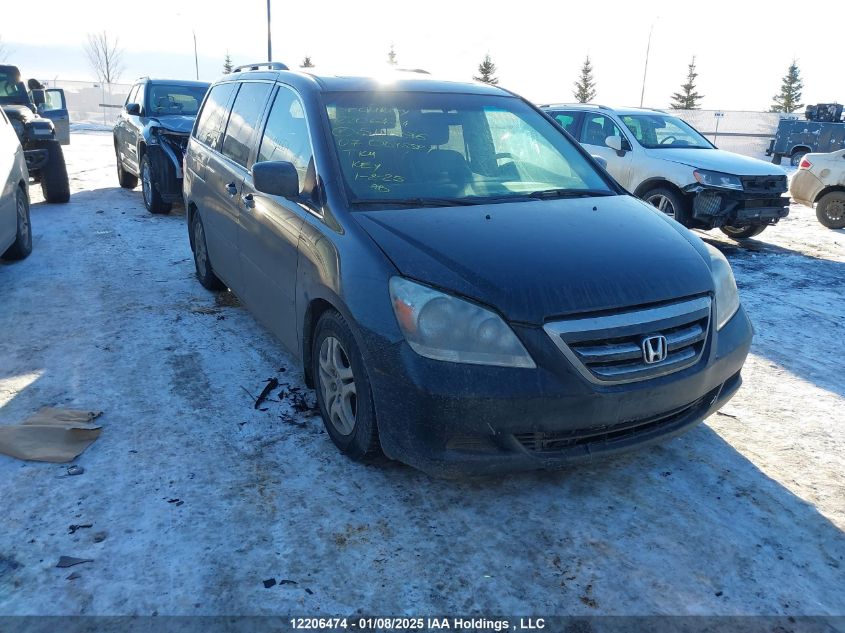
{"type": "Point", "coordinates": [343, 389]}
{"type": "Point", "coordinates": [670, 202]}
{"type": "Point", "coordinates": [202, 263]}
{"type": "Point", "coordinates": [53, 175]}
{"type": "Point", "coordinates": [831, 210]}
{"type": "Point", "coordinates": [743, 232]}
{"type": "Point", "coordinates": [22, 246]}
{"type": "Point", "coordinates": [152, 198]}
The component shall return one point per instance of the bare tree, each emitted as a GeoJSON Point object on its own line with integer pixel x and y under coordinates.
{"type": "Point", "coordinates": [104, 56]}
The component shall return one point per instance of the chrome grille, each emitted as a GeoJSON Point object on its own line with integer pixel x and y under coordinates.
{"type": "Point", "coordinates": [610, 349]}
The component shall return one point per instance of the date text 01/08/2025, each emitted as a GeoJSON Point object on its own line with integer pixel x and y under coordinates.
{"type": "Point", "coordinates": [416, 624]}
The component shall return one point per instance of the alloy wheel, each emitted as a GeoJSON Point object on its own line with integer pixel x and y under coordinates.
{"type": "Point", "coordinates": [337, 384]}
{"type": "Point", "coordinates": [662, 203]}
{"type": "Point", "coordinates": [200, 254]}
{"type": "Point", "coordinates": [23, 221]}
{"type": "Point", "coordinates": [147, 183]}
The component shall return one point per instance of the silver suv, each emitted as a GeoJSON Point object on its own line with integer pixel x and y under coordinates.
{"type": "Point", "coordinates": [665, 161]}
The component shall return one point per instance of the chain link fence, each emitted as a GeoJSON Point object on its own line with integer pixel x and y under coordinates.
{"type": "Point", "coordinates": [737, 131]}
{"type": "Point", "coordinates": [92, 104]}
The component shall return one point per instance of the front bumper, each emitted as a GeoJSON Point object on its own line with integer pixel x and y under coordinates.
{"type": "Point", "coordinates": [453, 420]}
{"type": "Point", "coordinates": [166, 166]}
{"type": "Point", "coordinates": [713, 207]}
{"type": "Point", "coordinates": [805, 187]}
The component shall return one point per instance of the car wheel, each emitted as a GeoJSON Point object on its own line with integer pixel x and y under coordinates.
{"type": "Point", "coordinates": [126, 180]}
{"type": "Point", "coordinates": [831, 210]}
{"type": "Point", "coordinates": [795, 159]}
{"type": "Point", "coordinates": [152, 198]}
{"type": "Point", "coordinates": [343, 389]}
{"type": "Point", "coordinates": [205, 273]}
{"type": "Point", "coordinates": [22, 246]}
{"type": "Point", "coordinates": [669, 202]}
{"type": "Point", "coordinates": [743, 232]}
{"type": "Point", "coordinates": [54, 182]}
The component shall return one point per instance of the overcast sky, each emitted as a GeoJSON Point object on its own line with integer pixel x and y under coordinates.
{"type": "Point", "coordinates": [742, 48]}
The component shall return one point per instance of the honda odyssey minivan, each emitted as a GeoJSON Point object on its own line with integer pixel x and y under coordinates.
{"type": "Point", "coordinates": [466, 289]}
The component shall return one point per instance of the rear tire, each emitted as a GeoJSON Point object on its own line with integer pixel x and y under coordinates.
{"type": "Point", "coordinates": [795, 159]}
{"type": "Point", "coordinates": [53, 175]}
{"type": "Point", "coordinates": [126, 180]}
{"type": "Point", "coordinates": [152, 198]}
{"type": "Point", "coordinates": [831, 210]}
{"type": "Point", "coordinates": [22, 246]}
{"type": "Point", "coordinates": [343, 389]}
{"type": "Point", "coordinates": [743, 232]}
{"type": "Point", "coordinates": [670, 202]}
{"type": "Point", "coordinates": [202, 263]}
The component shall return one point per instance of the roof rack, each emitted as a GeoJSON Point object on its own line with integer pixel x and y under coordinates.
{"type": "Point", "coordinates": [257, 65]}
{"type": "Point", "coordinates": [579, 105]}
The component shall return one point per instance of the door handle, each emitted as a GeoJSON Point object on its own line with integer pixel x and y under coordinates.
{"type": "Point", "coordinates": [249, 201]}
{"type": "Point", "coordinates": [232, 189]}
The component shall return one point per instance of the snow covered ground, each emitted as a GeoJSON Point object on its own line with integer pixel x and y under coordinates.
{"type": "Point", "coordinates": [195, 498]}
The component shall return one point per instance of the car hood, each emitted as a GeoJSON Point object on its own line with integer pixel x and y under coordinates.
{"type": "Point", "coordinates": [19, 112]}
{"type": "Point", "coordinates": [175, 123]}
{"type": "Point", "coordinates": [536, 260]}
{"type": "Point", "coordinates": [718, 160]}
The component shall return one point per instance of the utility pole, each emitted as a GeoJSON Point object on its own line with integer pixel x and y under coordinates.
{"type": "Point", "coordinates": [196, 59]}
{"type": "Point", "coordinates": [645, 69]}
{"type": "Point", "coordinates": [269, 39]}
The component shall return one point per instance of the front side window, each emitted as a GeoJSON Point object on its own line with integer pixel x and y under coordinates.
{"type": "Point", "coordinates": [286, 138]}
{"type": "Point", "coordinates": [213, 115]}
{"type": "Point", "coordinates": [11, 89]}
{"type": "Point", "coordinates": [240, 131]}
{"type": "Point", "coordinates": [167, 99]}
{"type": "Point", "coordinates": [411, 147]}
{"type": "Point", "coordinates": [132, 96]}
{"type": "Point", "coordinates": [660, 131]}
{"type": "Point", "coordinates": [597, 128]}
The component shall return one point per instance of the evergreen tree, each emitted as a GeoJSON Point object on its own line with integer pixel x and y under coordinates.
{"type": "Point", "coordinates": [306, 62]}
{"type": "Point", "coordinates": [585, 87]}
{"type": "Point", "coordinates": [688, 98]}
{"type": "Point", "coordinates": [391, 56]}
{"type": "Point", "coordinates": [790, 91]}
{"type": "Point", "coordinates": [227, 64]}
{"type": "Point", "coordinates": [487, 71]}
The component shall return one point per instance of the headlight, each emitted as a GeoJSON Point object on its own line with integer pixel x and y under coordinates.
{"type": "Point", "coordinates": [727, 297]}
{"type": "Point", "coordinates": [717, 179]}
{"type": "Point", "coordinates": [440, 326]}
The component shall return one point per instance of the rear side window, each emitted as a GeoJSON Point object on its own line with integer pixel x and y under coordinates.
{"type": "Point", "coordinates": [213, 114]}
{"type": "Point", "coordinates": [286, 138]}
{"type": "Point", "coordinates": [568, 121]}
{"type": "Point", "coordinates": [597, 128]}
{"type": "Point", "coordinates": [246, 111]}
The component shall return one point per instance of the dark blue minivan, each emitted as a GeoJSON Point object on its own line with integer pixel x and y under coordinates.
{"type": "Point", "coordinates": [467, 290]}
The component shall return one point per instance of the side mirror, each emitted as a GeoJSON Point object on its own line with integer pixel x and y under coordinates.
{"type": "Point", "coordinates": [600, 160]}
{"type": "Point", "coordinates": [614, 143]}
{"type": "Point", "coordinates": [277, 178]}
{"type": "Point", "coordinates": [39, 97]}
{"type": "Point", "coordinates": [133, 109]}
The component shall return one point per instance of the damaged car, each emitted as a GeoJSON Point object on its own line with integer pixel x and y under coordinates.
{"type": "Point", "coordinates": [668, 163]}
{"type": "Point", "coordinates": [151, 135]}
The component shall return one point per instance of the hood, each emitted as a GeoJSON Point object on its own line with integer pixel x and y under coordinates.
{"type": "Point", "coordinates": [175, 123]}
{"type": "Point", "coordinates": [19, 112]}
{"type": "Point", "coordinates": [536, 260]}
{"type": "Point", "coordinates": [718, 160]}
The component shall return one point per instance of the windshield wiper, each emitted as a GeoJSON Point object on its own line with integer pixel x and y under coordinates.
{"type": "Point", "coordinates": [547, 194]}
{"type": "Point", "coordinates": [417, 202]}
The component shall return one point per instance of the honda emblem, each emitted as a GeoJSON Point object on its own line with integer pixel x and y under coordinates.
{"type": "Point", "coordinates": [655, 349]}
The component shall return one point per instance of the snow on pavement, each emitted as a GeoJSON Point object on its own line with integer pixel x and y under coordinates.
{"type": "Point", "coordinates": [195, 497]}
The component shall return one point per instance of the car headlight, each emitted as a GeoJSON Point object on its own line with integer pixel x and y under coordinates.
{"type": "Point", "coordinates": [727, 296]}
{"type": "Point", "coordinates": [443, 327]}
{"type": "Point", "coordinates": [717, 179]}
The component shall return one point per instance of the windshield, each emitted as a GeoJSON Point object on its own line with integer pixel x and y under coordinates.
{"type": "Point", "coordinates": [660, 131]}
{"type": "Point", "coordinates": [169, 99]}
{"type": "Point", "coordinates": [11, 88]}
{"type": "Point", "coordinates": [417, 147]}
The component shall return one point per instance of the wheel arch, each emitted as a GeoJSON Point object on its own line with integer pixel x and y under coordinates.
{"type": "Point", "coordinates": [798, 148]}
{"type": "Point", "coordinates": [828, 190]}
{"type": "Point", "coordinates": [316, 308]}
{"type": "Point", "coordinates": [657, 183]}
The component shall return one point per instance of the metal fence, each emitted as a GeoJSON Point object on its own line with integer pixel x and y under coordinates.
{"type": "Point", "coordinates": [737, 131]}
{"type": "Point", "coordinates": [91, 103]}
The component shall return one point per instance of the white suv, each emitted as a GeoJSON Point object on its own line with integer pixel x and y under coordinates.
{"type": "Point", "coordinates": [665, 161]}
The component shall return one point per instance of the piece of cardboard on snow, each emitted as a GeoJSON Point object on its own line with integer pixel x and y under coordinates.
{"type": "Point", "coordinates": [50, 435]}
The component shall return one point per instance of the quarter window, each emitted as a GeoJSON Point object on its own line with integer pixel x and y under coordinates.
{"type": "Point", "coordinates": [286, 138]}
{"type": "Point", "coordinates": [213, 114]}
{"type": "Point", "coordinates": [247, 109]}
